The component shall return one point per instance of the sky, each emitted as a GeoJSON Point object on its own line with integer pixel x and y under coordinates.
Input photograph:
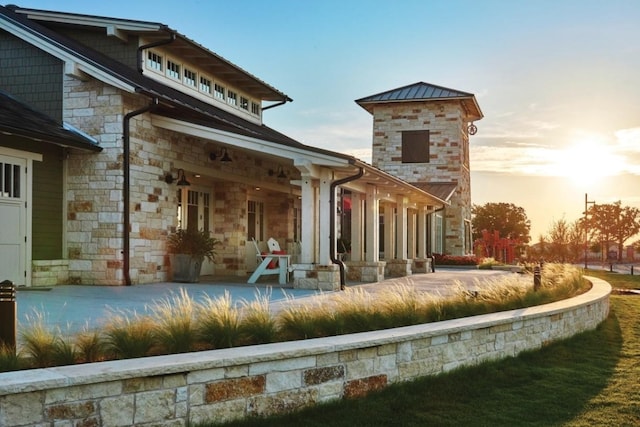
{"type": "Point", "coordinates": [558, 81]}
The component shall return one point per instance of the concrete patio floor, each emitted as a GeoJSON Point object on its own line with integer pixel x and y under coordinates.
{"type": "Point", "coordinates": [72, 307]}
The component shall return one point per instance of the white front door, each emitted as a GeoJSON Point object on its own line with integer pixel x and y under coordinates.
{"type": "Point", "coordinates": [13, 212]}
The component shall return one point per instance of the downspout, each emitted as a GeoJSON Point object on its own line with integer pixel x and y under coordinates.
{"type": "Point", "coordinates": [332, 228]}
{"type": "Point", "coordinates": [126, 190]}
{"type": "Point", "coordinates": [126, 166]}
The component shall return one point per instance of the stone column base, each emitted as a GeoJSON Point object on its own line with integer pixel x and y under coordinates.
{"type": "Point", "coordinates": [50, 272]}
{"type": "Point", "coordinates": [365, 271]}
{"type": "Point", "coordinates": [398, 268]}
{"type": "Point", "coordinates": [421, 265]}
{"type": "Point", "coordinates": [314, 276]}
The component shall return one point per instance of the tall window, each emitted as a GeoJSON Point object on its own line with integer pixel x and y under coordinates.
{"type": "Point", "coordinates": [154, 61]}
{"type": "Point", "coordinates": [255, 223]}
{"type": "Point", "coordinates": [415, 146]}
{"type": "Point", "coordinates": [438, 235]}
{"type": "Point", "coordinates": [173, 70]}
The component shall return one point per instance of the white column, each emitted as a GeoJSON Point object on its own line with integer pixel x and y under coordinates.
{"type": "Point", "coordinates": [411, 233]}
{"type": "Point", "coordinates": [422, 230]}
{"type": "Point", "coordinates": [401, 234]}
{"type": "Point", "coordinates": [389, 231]}
{"type": "Point", "coordinates": [372, 251]}
{"type": "Point", "coordinates": [308, 218]}
{"type": "Point", "coordinates": [324, 217]}
{"type": "Point", "coordinates": [357, 227]}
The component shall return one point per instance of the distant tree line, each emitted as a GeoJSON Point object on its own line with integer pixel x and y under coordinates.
{"type": "Point", "coordinates": [605, 225]}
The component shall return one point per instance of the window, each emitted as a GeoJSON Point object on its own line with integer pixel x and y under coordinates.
{"type": "Point", "coordinates": [9, 181]}
{"type": "Point", "coordinates": [219, 91]}
{"type": "Point", "coordinates": [232, 98]}
{"type": "Point", "coordinates": [415, 146]}
{"type": "Point", "coordinates": [205, 85]}
{"type": "Point", "coordinates": [244, 103]}
{"type": "Point", "coordinates": [255, 108]}
{"type": "Point", "coordinates": [190, 78]}
{"type": "Point", "coordinates": [173, 70]}
{"type": "Point", "coordinates": [154, 61]}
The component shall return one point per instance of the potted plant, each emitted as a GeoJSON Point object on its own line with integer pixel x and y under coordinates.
{"type": "Point", "coordinates": [189, 248]}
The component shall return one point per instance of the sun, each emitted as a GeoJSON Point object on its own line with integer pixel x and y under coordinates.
{"type": "Point", "coordinates": [587, 162]}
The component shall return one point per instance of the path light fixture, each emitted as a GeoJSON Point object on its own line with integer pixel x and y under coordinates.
{"type": "Point", "coordinates": [222, 154]}
{"type": "Point", "coordinates": [182, 179]}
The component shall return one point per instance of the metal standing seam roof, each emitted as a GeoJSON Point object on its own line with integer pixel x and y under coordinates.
{"type": "Point", "coordinates": [420, 91]}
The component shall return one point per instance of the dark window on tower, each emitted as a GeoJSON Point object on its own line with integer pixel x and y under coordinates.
{"type": "Point", "coordinates": [415, 146]}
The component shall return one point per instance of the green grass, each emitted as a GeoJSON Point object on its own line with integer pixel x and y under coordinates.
{"type": "Point", "coordinates": [588, 380]}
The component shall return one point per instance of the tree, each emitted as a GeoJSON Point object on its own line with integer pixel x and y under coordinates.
{"type": "Point", "coordinates": [506, 218]}
{"type": "Point", "coordinates": [566, 240]}
{"type": "Point", "coordinates": [613, 223]}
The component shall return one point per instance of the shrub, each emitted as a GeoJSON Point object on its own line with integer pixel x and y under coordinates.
{"type": "Point", "coordinates": [455, 259]}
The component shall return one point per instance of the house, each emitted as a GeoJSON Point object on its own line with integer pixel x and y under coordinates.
{"type": "Point", "coordinates": [148, 131]}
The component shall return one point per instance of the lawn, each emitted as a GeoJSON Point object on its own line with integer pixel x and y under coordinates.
{"type": "Point", "coordinates": [588, 380]}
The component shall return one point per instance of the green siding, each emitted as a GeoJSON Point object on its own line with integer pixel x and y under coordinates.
{"type": "Point", "coordinates": [31, 75]}
{"type": "Point", "coordinates": [47, 200]}
{"type": "Point", "coordinates": [47, 205]}
{"type": "Point", "coordinates": [112, 47]}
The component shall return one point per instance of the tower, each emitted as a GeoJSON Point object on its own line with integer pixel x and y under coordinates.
{"type": "Point", "coordinates": [421, 135]}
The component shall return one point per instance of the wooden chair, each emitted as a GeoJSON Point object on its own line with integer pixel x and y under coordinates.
{"type": "Point", "coordinates": [274, 262]}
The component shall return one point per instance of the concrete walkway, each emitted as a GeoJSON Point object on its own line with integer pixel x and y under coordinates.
{"type": "Point", "coordinates": [73, 307]}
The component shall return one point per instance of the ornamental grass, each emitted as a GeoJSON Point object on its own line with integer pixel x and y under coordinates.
{"type": "Point", "coordinates": [179, 324]}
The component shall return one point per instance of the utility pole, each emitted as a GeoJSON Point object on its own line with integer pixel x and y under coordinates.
{"type": "Point", "coordinates": [586, 228]}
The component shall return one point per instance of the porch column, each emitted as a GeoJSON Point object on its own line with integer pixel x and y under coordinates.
{"type": "Point", "coordinates": [357, 227]}
{"type": "Point", "coordinates": [411, 233]}
{"type": "Point", "coordinates": [372, 240]}
{"type": "Point", "coordinates": [308, 218]}
{"type": "Point", "coordinates": [324, 217]}
{"type": "Point", "coordinates": [389, 231]}
{"type": "Point", "coordinates": [422, 232]}
{"type": "Point", "coordinates": [401, 234]}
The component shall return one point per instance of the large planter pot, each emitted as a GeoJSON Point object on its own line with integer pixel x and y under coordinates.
{"type": "Point", "coordinates": [186, 268]}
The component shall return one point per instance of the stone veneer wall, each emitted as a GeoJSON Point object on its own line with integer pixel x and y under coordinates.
{"type": "Point", "coordinates": [448, 163]}
{"type": "Point", "coordinates": [95, 199]}
{"type": "Point", "coordinates": [267, 379]}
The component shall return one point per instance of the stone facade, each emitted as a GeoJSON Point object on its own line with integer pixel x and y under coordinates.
{"type": "Point", "coordinates": [95, 198]}
{"type": "Point", "coordinates": [229, 384]}
{"type": "Point", "coordinates": [448, 151]}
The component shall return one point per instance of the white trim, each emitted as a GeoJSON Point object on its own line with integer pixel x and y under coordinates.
{"type": "Point", "coordinates": [246, 142]}
{"type": "Point", "coordinates": [21, 154]}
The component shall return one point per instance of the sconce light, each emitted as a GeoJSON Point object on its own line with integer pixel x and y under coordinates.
{"type": "Point", "coordinates": [280, 172]}
{"type": "Point", "coordinates": [222, 153]}
{"type": "Point", "coordinates": [182, 180]}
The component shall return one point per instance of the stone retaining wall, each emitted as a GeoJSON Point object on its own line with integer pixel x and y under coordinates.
{"type": "Point", "coordinates": [274, 378]}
